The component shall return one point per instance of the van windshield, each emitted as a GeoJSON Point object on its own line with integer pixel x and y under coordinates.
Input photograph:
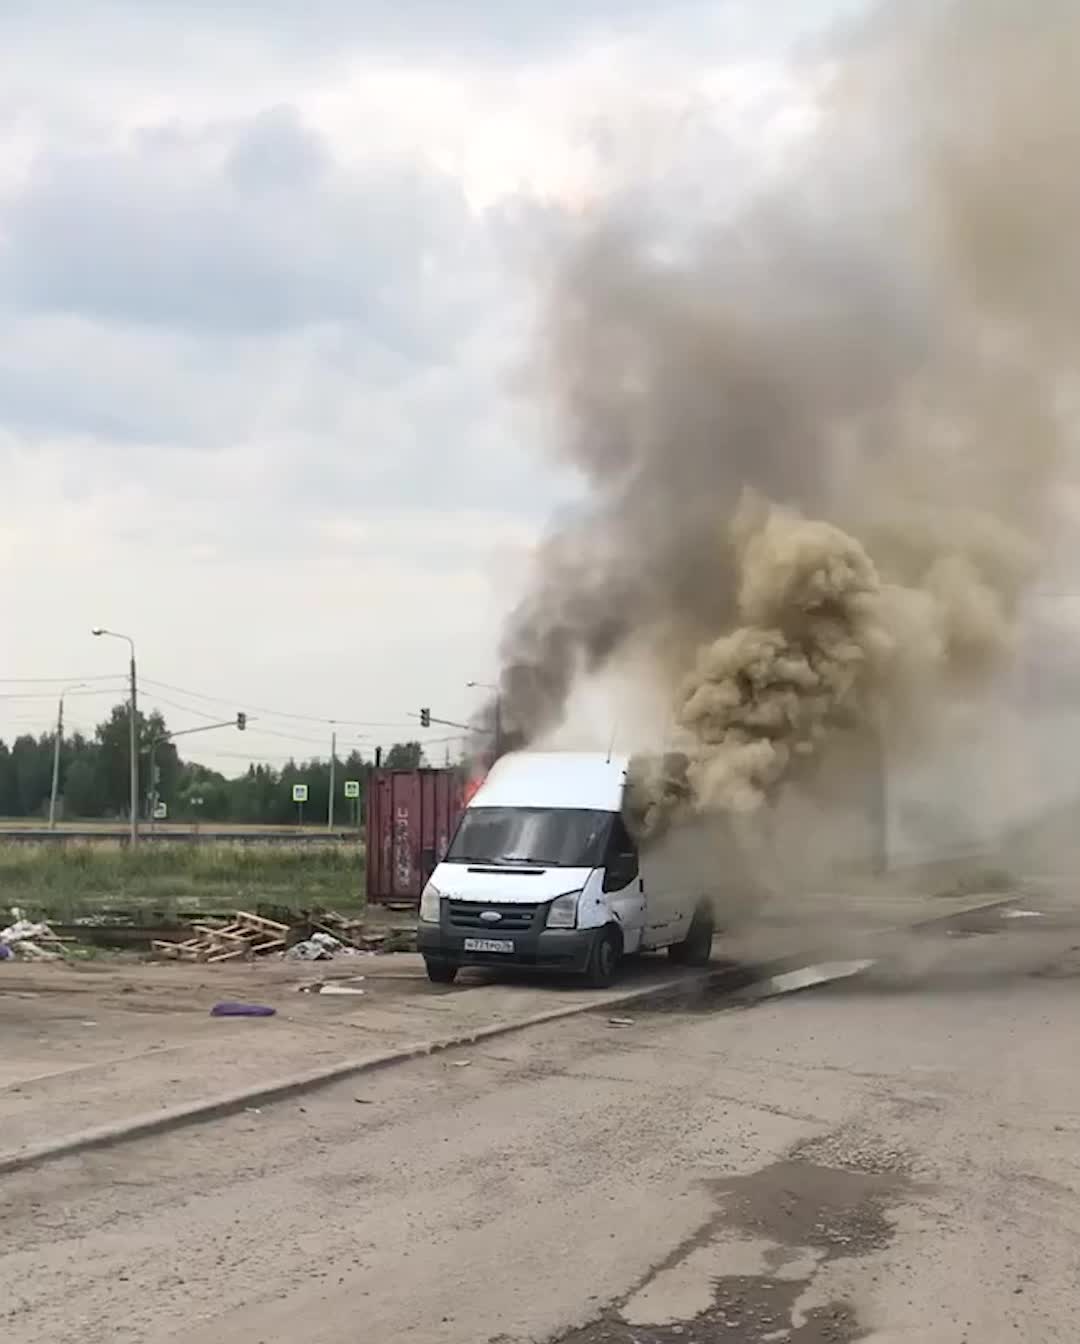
{"type": "Point", "coordinates": [547, 837]}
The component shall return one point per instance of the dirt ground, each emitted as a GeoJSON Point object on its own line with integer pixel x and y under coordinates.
{"type": "Point", "coordinates": [92, 1044]}
{"type": "Point", "coordinates": [102, 1042]}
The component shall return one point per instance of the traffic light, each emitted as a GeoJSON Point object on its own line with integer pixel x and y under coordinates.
{"type": "Point", "coordinates": [425, 718]}
{"type": "Point", "coordinates": [241, 720]}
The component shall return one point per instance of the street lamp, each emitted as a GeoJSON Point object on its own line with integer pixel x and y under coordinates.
{"type": "Point", "coordinates": [487, 686]}
{"type": "Point", "coordinates": [78, 686]}
{"type": "Point", "coordinates": [134, 750]}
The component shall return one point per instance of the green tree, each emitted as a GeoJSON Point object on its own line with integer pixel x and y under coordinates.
{"type": "Point", "coordinates": [9, 804]}
{"type": "Point", "coordinates": [202, 795]}
{"type": "Point", "coordinates": [404, 756]}
{"type": "Point", "coordinates": [83, 794]}
{"type": "Point", "coordinates": [113, 742]}
{"type": "Point", "coordinates": [32, 764]}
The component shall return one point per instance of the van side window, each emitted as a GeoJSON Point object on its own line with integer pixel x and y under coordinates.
{"type": "Point", "coordinates": [621, 859]}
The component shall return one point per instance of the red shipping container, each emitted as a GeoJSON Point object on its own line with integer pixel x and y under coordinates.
{"type": "Point", "coordinates": [410, 818]}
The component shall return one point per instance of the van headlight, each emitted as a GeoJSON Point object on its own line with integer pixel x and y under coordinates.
{"type": "Point", "coordinates": [563, 911]}
{"type": "Point", "coordinates": [430, 899]}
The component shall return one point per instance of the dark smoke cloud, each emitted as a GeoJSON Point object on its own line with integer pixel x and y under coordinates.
{"type": "Point", "coordinates": [820, 438]}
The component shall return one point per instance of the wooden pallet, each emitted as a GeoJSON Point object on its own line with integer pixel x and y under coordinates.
{"type": "Point", "coordinates": [246, 937]}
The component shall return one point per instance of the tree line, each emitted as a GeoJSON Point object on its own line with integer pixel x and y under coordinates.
{"type": "Point", "coordinates": [94, 778]}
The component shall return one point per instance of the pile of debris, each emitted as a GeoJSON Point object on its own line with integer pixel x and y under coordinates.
{"type": "Point", "coordinates": [247, 936]}
{"type": "Point", "coordinates": [315, 936]}
{"type": "Point", "coordinates": [320, 947]}
{"type": "Point", "coordinates": [29, 941]}
{"type": "Point", "coordinates": [319, 935]}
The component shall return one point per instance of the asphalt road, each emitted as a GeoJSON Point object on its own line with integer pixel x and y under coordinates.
{"type": "Point", "coordinates": [883, 1159]}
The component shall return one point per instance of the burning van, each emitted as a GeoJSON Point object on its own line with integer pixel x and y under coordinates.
{"type": "Point", "coordinates": [543, 872]}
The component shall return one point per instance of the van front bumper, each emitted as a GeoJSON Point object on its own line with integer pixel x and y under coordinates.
{"type": "Point", "coordinates": [545, 949]}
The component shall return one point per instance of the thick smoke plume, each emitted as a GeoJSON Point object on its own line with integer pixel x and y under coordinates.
{"type": "Point", "coordinates": [821, 436]}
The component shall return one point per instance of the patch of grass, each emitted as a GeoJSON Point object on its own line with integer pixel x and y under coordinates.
{"type": "Point", "coordinates": [64, 882]}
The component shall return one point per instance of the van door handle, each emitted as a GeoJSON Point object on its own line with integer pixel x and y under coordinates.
{"type": "Point", "coordinates": [641, 885]}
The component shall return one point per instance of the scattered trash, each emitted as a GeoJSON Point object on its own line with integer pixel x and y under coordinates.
{"type": "Point", "coordinates": [1022, 914]}
{"type": "Point", "coordinates": [362, 1101]}
{"type": "Point", "coordinates": [308, 950]}
{"type": "Point", "coordinates": [241, 1010]}
{"type": "Point", "coordinates": [462, 1063]}
{"type": "Point", "coordinates": [620, 1021]}
{"type": "Point", "coordinates": [319, 947]}
{"type": "Point", "coordinates": [330, 987]}
{"type": "Point", "coordinates": [355, 937]}
{"type": "Point", "coordinates": [29, 941]}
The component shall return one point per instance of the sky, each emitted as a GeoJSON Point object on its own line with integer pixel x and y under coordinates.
{"type": "Point", "coordinates": [269, 278]}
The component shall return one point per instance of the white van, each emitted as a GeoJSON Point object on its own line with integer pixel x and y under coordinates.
{"type": "Point", "coordinates": [542, 872]}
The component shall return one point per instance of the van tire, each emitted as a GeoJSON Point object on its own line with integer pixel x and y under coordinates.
{"type": "Point", "coordinates": [696, 947]}
{"type": "Point", "coordinates": [605, 958]}
{"type": "Point", "coordinates": [441, 972]}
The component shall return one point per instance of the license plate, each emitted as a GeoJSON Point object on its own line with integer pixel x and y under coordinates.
{"type": "Point", "coordinates": [488, 945]}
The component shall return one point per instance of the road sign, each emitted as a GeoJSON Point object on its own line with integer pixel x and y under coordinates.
{"type": "Point", "coordinates": [161, 811]}
{"type": "Point", "coordinates": [299, 793]}
{"type": "Point", "coordinates": [352, 788]}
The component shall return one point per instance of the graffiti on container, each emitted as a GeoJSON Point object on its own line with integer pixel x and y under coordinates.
{"type": "Point", "coordinates": [402, 850]}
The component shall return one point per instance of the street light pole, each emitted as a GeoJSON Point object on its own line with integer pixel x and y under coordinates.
{"type": "Point", "coordinates": [333, 780]}
{"type": "Point", "coordinates": [56, 753]}
{"type": "Point", "coordinates": [134, 748]}
{"type": "Point", "coordinates": [497, 734]}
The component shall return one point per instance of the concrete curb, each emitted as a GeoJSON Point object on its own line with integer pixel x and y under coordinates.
{"type": "Point", "coordinates": [737, 978]}
{"type": "Point", "coordinates": [230, 1103]}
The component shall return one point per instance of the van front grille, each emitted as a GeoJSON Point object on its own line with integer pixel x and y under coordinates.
{"type": "Point", "coordinates": [512, 917]}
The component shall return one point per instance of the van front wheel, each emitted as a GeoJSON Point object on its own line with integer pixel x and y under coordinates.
{"type": "Point", "coordinates": [696, 947]}
{"type": "Point", "coordinates": [441, 972]}
{"type": "Point", "coordinates": [604, 962]}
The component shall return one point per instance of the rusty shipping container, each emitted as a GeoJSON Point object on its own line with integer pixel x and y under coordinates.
{"type": "Point", "coordinates": [409, 821]}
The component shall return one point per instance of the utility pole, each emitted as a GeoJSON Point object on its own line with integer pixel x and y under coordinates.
{"type": "Point", "coordinates": [134, 748]}
{"type": "Point", "coordinates": [56, 764]}
{"type": "Point", "coordinates": [56, 753]}
{"type": "Point", "coordinates": [497, 734]}
{"type": "Point", "coordinates": [333, 781]}
{"type": "Point", "coordinates": [134, 736]}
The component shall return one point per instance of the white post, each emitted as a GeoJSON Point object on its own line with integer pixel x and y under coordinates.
{"type": "Point", "coordinates": [333, 781]}
{"type": "Point", "coordinates": [56, 764]}
{"type": "Point", "coordinates": [134, 755]}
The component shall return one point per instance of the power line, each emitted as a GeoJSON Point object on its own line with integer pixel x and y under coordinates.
{"type": "Point", "coordinates": [158, 698]}
{"type": "Point", "coordinates": [327, 719]}
{"type": "Point", "coordinates": [251, 758]}
{"type": "Point", "coordinates": [48, 681]}
{"type": "Point", "coordinates": [51, 695]}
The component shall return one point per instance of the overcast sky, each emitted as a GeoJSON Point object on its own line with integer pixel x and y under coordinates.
{"type": "Point", "coordinates": [267, 277]}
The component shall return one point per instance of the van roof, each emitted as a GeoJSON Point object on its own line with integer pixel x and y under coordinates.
{"type": "Point", "coordinates": [590, 781]}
